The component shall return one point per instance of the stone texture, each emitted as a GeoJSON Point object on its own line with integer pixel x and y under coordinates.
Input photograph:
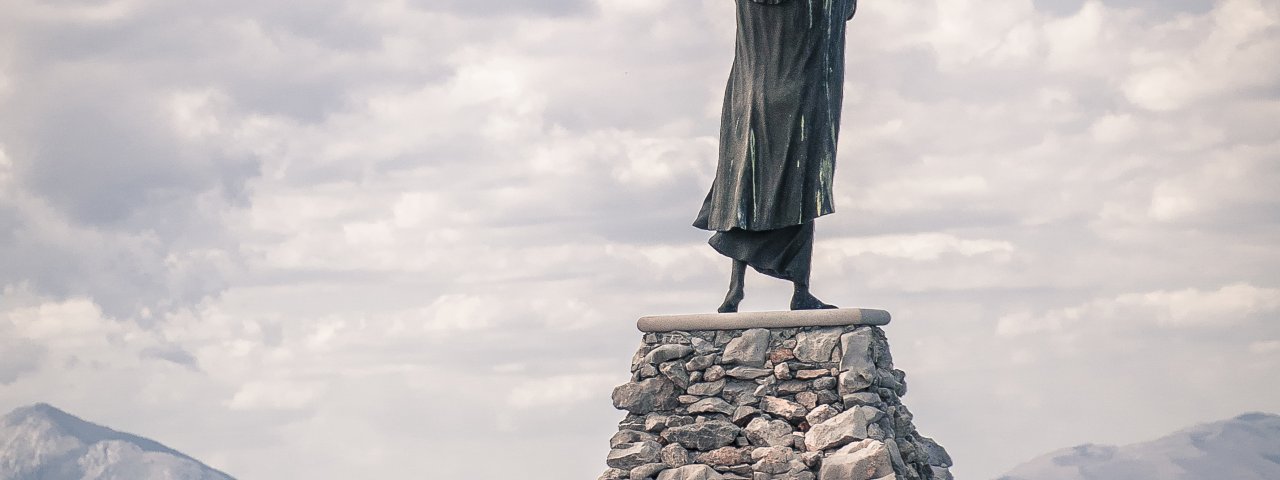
{"type": "Point", "coordinates": [748, 349]}
{"type": "Point", "coordinates": [703, 436]}
{"type": "Point", "coordinates": [769, 404]}
{"type": "Point", "coordinates": [631, 436]}
{"type": "Point", "coordinates": [675, 372]}
{"type": "Point", "coordinates": [631, 455]}
{"type": "Point", "coordinates": [841, 429]}
{"type": "Point", "coordinates": [743, 414]}
{"type": "Point", "coordinates": [713, 373]}
{"type": "Point", "coordinates": [725, 456]}
{"type": "Point", "coordinates": [711, 405]}
{"type": "Point", "coordinates": [701, 362]}
{"type": "Point", "coordinates": [769, 433]}
{"type": "Point", "coordinates": [782, 371]}
{"type": "Point", "coordinates": [812, 374]}
{"type": "Point", "coordinates": [935, 454]}
{"type": "Point", "coordinates": [821, 414]}
{"type": "Point", "coordinates": [783, 408]}
{"type": "Point", "coordinates": [857, 366]}
{"type": "Point", "coordinates": [749, 373]}
{"type": "Point", "coordinates": [690, 472]}
{"type": "Point", "coordinates": [707, 389]}
{"type": "Point", "coordinates": [646, 396]}
{"type": "Point", "coordinates": [807, 399]}
{"type": "Point", "coordinates": [674, 455]}
{"type": "Point", "coordinates": [772, 460]}
{"type": "Point", "coordinates": [865, 460]}
{"type": "Point", "coordinates": [647, 470]}
{"type": "Point", "coordinates": [853, 381]}
{"type": "Point", "coordinates": [667, 353]}
{"type": "Point", "coordinates": [817, 345]}
{"type": "Point", "coordinates": [792, 387]}
{"type": "Point", "coordinates": [781, 355]}
{"type": "Point", "coordinates": [861, 398]}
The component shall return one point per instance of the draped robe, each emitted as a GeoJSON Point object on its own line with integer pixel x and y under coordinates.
{"type": "Point", "coordinates": [778, 133]}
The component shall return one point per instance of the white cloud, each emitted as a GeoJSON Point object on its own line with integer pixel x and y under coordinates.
{"type": "Point", "coordinates": [1264, 347]}
{"type": "Point", "coordinates": [920, 247]}
{"type": "Point", "coordinates": [1230, 57]}
{"type": "Point", "coordinates": [6, 170]}
{"type": "Point", "coordinates": [282, 395]}
{"type": "Point", "coordinates": [562, 392]}
{"type": "Point", "coordinates": [1229, 306]}
{"type": "Point", "coordinates": [359, 226]}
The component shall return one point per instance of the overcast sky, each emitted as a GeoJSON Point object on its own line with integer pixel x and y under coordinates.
{"type": "Point", "coordinates": [409, 238]}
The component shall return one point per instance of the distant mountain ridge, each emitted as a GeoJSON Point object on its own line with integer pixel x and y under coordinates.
{"type": "Point", "coordinates": [41, 442]}
{"type": "Point", "coordinates": [1243, 448]}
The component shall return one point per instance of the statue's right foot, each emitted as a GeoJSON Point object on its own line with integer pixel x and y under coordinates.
{"type": "Point", "coordinates": [803, 300]}
{"type": "Point", "coordinates": [731, 301]}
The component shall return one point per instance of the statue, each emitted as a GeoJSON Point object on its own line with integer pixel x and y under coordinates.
{"type": "Point", "coordinates": [778, 134]}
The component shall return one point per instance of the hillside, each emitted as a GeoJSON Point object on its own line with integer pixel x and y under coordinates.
{"type": "Point", "coordinates": [41, 442]}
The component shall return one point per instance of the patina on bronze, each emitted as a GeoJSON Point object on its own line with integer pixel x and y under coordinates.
{"type": "Point", "coordinates": [778, 134]}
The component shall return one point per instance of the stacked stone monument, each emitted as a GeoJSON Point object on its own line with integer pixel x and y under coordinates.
{"type": "Point", "coordinates": [809, 395]}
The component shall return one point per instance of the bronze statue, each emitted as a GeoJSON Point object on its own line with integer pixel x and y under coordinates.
{"type": "Point", "coordinates": [778, 134]}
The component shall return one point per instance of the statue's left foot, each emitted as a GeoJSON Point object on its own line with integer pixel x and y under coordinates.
{"type": "Point", "coordinates": [806, 301]}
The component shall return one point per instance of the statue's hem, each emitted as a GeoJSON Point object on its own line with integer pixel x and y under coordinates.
{"type": "Point", "coordinates": [745, 320]}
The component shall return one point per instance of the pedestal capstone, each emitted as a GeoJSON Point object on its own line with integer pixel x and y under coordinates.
{"type": "Point", "coordinates": [801, 395]}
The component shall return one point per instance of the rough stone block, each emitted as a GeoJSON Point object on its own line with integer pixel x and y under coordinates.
{"type": "Point", "coordinates": [725, 457]}
{"type": "Point", "coordinates": [748, 349]}
{"type": "Point", "coordinates": [783, 408]}
{"type": "Point", "coordinates": [769, 433]}
{"type": "Point", "coordinates": [667, 353]}
{"type": "Point", "coordinates": [675, 372]}
{"type": "Point", "coordinates": [935, 454]}
{"type": "Point", "coordinates": [749, 373]}
{"type": "Point", "coordinates": [817, 345]}
{"type": "Point", "coordinates": [865, 460]}
{"type": "Point", "coordinates": [646, 396]}
{"type": "Point", "coordinates": [703, 436]}
{"type": "Point", "coordinates": [707, 389]}
{"type": "Point", "coordinates": [674, 455]}
{"type": "Point", "coordinates": [630, 436]}
{"type": "Point", "coordinates": [772, 460]}
{"type": "Point", "coordinates": [711, 405]}
{"type": "Point", "coordinates": [691, 472]}
{"type": "Point", "coordinates": [647, 470]}
{"type": "Point", "coordinates": [631, 455]}
{"type": "Point", "coordinates": [841, 429]}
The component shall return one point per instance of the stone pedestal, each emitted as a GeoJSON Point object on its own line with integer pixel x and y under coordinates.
{"type": "Point", "coordinates": [768, 396]}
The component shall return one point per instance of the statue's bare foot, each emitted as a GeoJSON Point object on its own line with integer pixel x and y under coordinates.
{"type": "Point", "coordinates": [806, 301]}
{"type": "Point", "coordinates": [731, 301]}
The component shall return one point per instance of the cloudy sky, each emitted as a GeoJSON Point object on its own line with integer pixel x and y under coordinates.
{"type": "Point", "coordinates": [410, 238]}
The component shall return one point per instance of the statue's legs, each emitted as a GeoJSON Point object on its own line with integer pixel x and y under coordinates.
{"type": "Point", "coordinates": [737, 279]}
{"type": "Point", "coordinates": [785, 253]}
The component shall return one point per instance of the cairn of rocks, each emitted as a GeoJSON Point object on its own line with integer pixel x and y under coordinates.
{"type": "Point", "coordinates": [795, 403]}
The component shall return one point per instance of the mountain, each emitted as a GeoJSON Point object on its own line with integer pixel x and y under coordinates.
{"type": "Point", "coordinates": [1243, 448]}
{"type": "Point", "coordinates": [40, 442]}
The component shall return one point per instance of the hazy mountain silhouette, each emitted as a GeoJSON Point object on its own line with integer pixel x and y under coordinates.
{"type": "Point", "coordinates": [41, 442]}
{"type": "Point", "coordinates": [1243, 448]}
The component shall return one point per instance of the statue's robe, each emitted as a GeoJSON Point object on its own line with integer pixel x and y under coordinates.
{"type": "Point", "coordinates": [778, 133]}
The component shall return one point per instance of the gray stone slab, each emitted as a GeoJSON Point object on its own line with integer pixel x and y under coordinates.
{"type": "Point", "coordinates": [747, 320]}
